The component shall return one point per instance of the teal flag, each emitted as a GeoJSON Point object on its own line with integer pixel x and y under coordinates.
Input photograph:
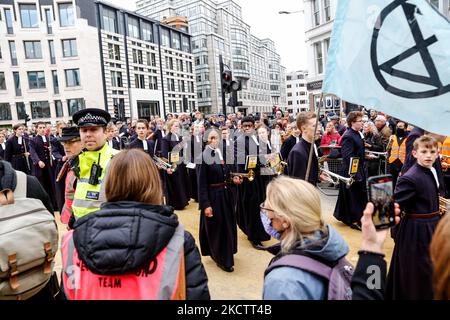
{"type": "Point", "coordinates": [394, 57]}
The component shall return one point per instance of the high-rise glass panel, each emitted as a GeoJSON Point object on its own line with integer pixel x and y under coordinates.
{"type": "Point", "coordinates": [66, 14]}
{"type": "Point", "coordinates": [28, 16]}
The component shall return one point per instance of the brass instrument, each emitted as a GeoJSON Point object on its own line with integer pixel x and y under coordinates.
{"type": "Point", "coordinates": [163, 164]}
{"type": "Point", "coordinates": [444, 205]}
{"type": "Point", "coordinates": [280, 167]}
{"type": "Point", "coordinates": [335, 178]}
{"type": "Point", "coordinates": [250, 175]}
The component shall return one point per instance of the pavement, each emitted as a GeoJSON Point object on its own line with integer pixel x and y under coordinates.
{"type": "Point", "coordinates": [246, 282]}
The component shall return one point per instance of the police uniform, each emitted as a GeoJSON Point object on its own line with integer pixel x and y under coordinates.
{"type": "Point", "coordinates": [92, 165]}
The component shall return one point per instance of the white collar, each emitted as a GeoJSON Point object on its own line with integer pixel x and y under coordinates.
{"type": "Point", "coordinates": [254, 139]}
{"type": "Point", "coordinates": [433, 170]}
{"type": "Point", "coordinates": [19, 140]}
{"type": "Point", "coordinates": [218, 152]}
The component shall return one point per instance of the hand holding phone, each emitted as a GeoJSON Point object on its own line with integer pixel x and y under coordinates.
{"type": "Point", "coordinates": [381, 193]}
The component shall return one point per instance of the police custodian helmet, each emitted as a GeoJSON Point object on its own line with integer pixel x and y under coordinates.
{"type": "Point", "coordinates": [91, 117]}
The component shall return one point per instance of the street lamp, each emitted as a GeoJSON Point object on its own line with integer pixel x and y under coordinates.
{"type": "Point", "coordinates": [289, 12]}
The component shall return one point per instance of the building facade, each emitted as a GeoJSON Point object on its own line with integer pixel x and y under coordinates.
{"type": "Point", "coordinates": [217, 28]}
{"type": "Point", "coordinates": [297, 94]}
{"type": "Point", "coordinates": [59, 57]}
{"type": "Point", "coordinates": [319, 17]}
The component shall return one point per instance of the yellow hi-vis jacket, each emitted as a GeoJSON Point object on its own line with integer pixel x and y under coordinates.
{"type": "Point", "coordinates": [397, 151]}
{"type": "Point", "coordinates": [88, 197]}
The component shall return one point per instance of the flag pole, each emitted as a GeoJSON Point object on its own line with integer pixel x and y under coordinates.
{"type": "Point", "coordinates": [308, 169]}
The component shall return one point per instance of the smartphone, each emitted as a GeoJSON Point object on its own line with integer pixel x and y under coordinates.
{"type": "Point", "coordinates": [381, 193]}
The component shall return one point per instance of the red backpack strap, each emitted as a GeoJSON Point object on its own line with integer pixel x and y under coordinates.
{"type": "Point", "coordinates": [302, 262]}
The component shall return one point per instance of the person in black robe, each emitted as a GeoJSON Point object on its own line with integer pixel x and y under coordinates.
{"type": "Point", "coordinates": [290, 142]}
{"type": "Point", "coordinates": [141, 142]}
{"type": "Point", "coordinates": [410, 273]}
{"type": "Point", "coordinates": [59, 156]}
{"type": "Point", "coordinates": [265, 154]}
{"type": "Point", "coordinates": [193, 151]}
{"type": "Point", "coordinates": [2, 145]}
{"type": "Point", "coordinates": [299, 155]}
{"type": "Point", "coordinates": [249, 192]}
{"type": "Point", "coordinates": [110, 139]}
{"type": "Point", "coordinates": [158, 136]}
{"type": "Point", "coordinates": [176, 181]}
{"type": "Point", "coordinates": [411, 160]}
{"type": "Point", "coordinates": [17, 150]}
{"type": "Point", "coordinates": [352, 201]}
{"type": "Point", "coordinates": [41, 155]}
{"type": "Point", "coordinates": [218, 231]}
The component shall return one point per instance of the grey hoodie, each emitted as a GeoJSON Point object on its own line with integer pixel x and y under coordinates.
{"type": "Point", "coordinates": [288, 283]}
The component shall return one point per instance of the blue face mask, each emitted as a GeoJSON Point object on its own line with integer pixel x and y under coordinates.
{"type": "Point", "coordinates": [267, 224]}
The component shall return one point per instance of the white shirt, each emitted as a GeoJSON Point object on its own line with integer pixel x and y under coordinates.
{"type": "Point", "coordinates": [44, 139]}
{"type": "Point", "coordinates": [3, 146]}
{"type": "Point", "coordinates": [144, 144]}
{"type": "Point", "coordinates": [110, 143]}
{"type": "Point", "coordinates": [228, 142]}
{"type": "Point", "coordinates": [218, 152]}
{"type": "Point", "coordinates": [433, 170]}
{"type": "Point", "coordinates": [256, 141]}
{"type": "Point", "coordinates": [197, 138]}
{"type": "Point", "coordinates": [19, 140]}
{"type": "Point", "coordinates": [297, 139]}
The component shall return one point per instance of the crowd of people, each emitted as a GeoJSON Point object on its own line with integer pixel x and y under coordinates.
{"type": "Point", "coordinates": [116, 186]}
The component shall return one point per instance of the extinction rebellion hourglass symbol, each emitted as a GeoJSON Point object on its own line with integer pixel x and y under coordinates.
{"type": "Point", "coordinates": [421, 47]}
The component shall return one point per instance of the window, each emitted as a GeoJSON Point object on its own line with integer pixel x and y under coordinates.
{"type": "Point", "coordinates": [113, 51]}
{"type": "Point", "coordinates": [36, 79]}
{"type": "Point", "coordinates": [28, 16]}
{"type": "Point", "coordinates": [327, 45]}
{"type": "Point", "coordinates": [116, 79]}
{"type": "Point", "coordinates": [5, 111]}
{"type": "Point", "coordinates": [66, 15]}
{"type": "Point", "coordinates": [327, 10]}
{"type": "Point", "coordinates": [21, 111]}
{"type": "Point", "coordinates": [171, 85]}
{"type": "Point", "coordinates": [289, 94]}
{"type": "Point", "coordinates": [75, 105]}
{"type": "Point", "coordinates": [109, 20]}
{"type": "Point", "coordinates": [49, 20]}
{"type": "Point", "coordinates": [59, 109]}
{"type": "Point", "coordinates": [180, 66]}
{"type": "Point", "coordinates": [12, 50]}
{"type": "Point", "coordinates": [319, 57]}
{"type": "Point", "coordinates": [72, 77]}
{"type": "Point", "coordinates": [185, 43]}
{"type": "Point", "coordinates": [2, 81]}
{"type": "Point", "coordinates": [51, 47]}
{"type": "Point", "coordinates": [33, 49]}
{"type": "Point", "coordinates": [147, 32]}
{"type": "Point", "coordinates": [289, 86]}
{"type": "Point", "coordinates": [133, 27]}
{"type": "Point", "coordinates": [55, 81]}
{"type": "Point", "coordinates": [69, 48]}
{"type": "Point", "coordinates": [190, 67]}
{"type": "Point", "coordinates": [165, 38]}
{"type": "Point", "coordinates": [40, 109]}
{"type": "Point", "coordinates": [151, 59]}
{"type": "Point", "coordinates": [17, 84]}
{"type": "Point", "coordinates": [153, 83]}
{"type": "Point", "coordinates": [137, 56]}
{"type": "Point", "coordinates": [316, 12]}
{"type": "Point", "coordinates": [8, 18]}
{"type": "Point", "coordinates": [139, 81]}
{"type": "Point", "coordinates": [176, 41]}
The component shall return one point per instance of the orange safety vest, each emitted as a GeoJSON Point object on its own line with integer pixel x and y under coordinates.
{"type": "Point", "coordinates": [445, 153]}
{"type": "Point", "coordinates": [397, 151]}
{"type": "Point", "coordinates": [163, 280]}
{"type": "Point", "coordinates": [69, 194]}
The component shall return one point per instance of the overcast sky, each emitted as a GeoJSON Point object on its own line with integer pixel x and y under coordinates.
{"type": "Point", "coordinates": [287, 31]}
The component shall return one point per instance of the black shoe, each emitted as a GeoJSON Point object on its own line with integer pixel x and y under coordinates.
{"type": "Point", "coordinates": [226, 269]}
{"type": "Point", "coordinates": [256, 244]}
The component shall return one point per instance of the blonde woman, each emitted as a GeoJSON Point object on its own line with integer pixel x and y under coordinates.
{"type": "Point", "coordinates": [294, 209]}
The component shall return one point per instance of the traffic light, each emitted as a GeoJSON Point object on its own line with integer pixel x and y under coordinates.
{"type": "Point", "coordinates": [232, 102]}
{"type": "Point", "coordinates": [227, 79]}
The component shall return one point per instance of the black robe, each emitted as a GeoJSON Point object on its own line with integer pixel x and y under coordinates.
{"type": "Point", "coordinates": [249, 193]}
{"type": "Point", "coordinates": [410, 272]}
{"type": "Point", "coordinates": [218, 234]}
{"type": "Point", "coordinates": [58, 163]}
{"type": "Point", "coordinates": [14, 153]}
{"type": "Point", "coordinates": [267, 173]}
{"type": "Point", "coordinates": [194, 151]}
{"type": "Point", "coordinates": [287, 146]}
{"type": "Point", "coordinates": [2, 151]}
{"type": "Point", "coordinates": [41, 151]}
{"type": "Point", "coordinates": [298, 162]}
{"type": "Point", "coordinates": [115, 144]}
{"type": "Point", "coordinates": [176, 192]}
{"type": "Point", "coordinates": [139, 144]}
{"type": "Point", "coordinates": [158, 137]}
{"type": "Point", "coordinates": [352, 202]}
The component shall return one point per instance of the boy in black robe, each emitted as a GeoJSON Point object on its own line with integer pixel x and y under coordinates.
{"type": "Point", "coordinates": [417, 193]}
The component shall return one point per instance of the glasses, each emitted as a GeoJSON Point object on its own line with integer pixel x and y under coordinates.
{"type": "Point", "coordinates": [265, 210]}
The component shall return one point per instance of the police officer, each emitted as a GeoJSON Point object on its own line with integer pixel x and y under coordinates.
{"type": "Point", "coordinates": [93, 160]}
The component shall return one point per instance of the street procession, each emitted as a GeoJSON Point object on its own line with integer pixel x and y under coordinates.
{"type": "Point", "coordinates": [146, 157]}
